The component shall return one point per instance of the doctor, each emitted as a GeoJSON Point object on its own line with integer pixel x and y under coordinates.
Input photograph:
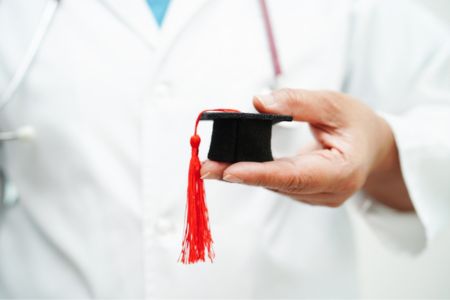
{"type": "Point", "coordinates": [111, 97]}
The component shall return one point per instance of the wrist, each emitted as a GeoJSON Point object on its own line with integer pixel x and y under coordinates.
{"type": "Point", "coordinates": [385, 181]}
{"type": "Point", "coordinates": [386, 157]}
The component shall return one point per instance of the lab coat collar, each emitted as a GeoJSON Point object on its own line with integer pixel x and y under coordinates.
{"type": "Point", "coordinates": [137, 17]}
{"type": "Point", "coordinates": [179, 14]}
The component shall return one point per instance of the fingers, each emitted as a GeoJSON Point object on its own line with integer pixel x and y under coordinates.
{"type": "Point", "coordinates": [308, 106]}
{"type": "Point", "coordinates": [213, 169]}
{"type": "Point", "coordinates": [306, 174]}
{"type": "Point", "coordinates": [274, 174]}
{"type": "Point", "coordinates": [309, 178]}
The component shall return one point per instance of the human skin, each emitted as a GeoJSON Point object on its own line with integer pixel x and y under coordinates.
{"type": "Point", "coordinates": [354, 149]}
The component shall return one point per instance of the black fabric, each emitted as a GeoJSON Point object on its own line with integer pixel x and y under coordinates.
{"type": "Point", "coordinates": [241, 116]}
{"type": "Point", "coordinates": [242, 137]}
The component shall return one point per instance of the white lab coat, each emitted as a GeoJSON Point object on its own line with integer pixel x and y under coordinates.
{"type": "Point", "coordinates": [113, 101]}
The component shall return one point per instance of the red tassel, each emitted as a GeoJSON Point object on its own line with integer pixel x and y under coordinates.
{"type": "Point", "coordinates": [197, 240]}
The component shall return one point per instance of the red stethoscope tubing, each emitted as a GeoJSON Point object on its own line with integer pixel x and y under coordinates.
{"type": "Point", "coordinates": [277, 70]}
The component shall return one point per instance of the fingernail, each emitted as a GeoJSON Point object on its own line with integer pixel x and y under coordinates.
{"type": "Point", "coordinates": [266, 100]}
{"type": "Point", "coordinates": [207, 175]}
{"type": "Point", "coordinates": [232, 179]}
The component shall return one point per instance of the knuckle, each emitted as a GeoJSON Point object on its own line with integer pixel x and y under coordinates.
{"type": "Point", "coordinates": [288, 95]}
{"type": "Point", "coordinates": [291, 184]}
{"type": "Point", "coordinates": [304, 181]}
{"type": "Point", "coordinates": [260, 181]}
{"type": "Point", "coordinates": [332, 105]}
{"type": "Point", "coordinates": [266, 180]}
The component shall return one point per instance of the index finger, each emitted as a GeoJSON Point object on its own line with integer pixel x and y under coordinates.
{"type": "Point", "coordinates": [303, 174]}
{"type": "Point", "coordinates": [213, 169]}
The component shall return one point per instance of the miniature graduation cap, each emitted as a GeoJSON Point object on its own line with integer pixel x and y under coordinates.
{"type": "Point", "coordinates": [241, 136]}
{"type": "Point", "coordinates": [236, 137]}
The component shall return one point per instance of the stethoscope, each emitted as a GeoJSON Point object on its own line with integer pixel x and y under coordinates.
{"type": "Point", "coordinates": [8, 191]}
{"type": "Point", "coordinates": [48, 15]}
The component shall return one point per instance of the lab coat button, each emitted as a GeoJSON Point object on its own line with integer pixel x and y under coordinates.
{"type": "Point", "coordinates": [163, 226]}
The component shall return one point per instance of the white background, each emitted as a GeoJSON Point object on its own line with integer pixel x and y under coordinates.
{"type": "Point", "coordinates": [386, 274]}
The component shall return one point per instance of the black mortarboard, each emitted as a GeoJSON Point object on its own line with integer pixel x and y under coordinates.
{"type": "Point", "coordinates": [241, 136]}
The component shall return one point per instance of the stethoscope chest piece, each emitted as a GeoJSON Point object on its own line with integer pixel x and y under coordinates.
{"type": "Point", "coordinates": [23, 133]}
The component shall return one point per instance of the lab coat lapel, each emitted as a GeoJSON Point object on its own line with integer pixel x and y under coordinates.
{"type": "Point", "coordinates": [179, 14]}
{"type": "Point", "coordinates": [137, 17]}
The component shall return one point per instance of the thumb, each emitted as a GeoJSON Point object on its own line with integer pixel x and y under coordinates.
{"type": "Point", "coordinates": [315, 107]}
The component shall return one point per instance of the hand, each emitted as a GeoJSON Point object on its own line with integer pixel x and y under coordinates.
{"type": "Point", "coordinates": [353, 148]}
